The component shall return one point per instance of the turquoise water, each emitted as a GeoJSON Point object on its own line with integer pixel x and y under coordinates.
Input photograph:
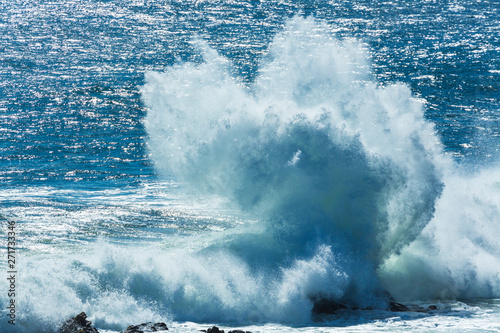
{"type": "Point", "coordinates": [226, 162]}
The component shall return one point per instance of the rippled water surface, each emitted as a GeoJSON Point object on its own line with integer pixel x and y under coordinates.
{"type": "Point", "coordinates": [71, 70]}
{"type": "Point", "coordinates": [344, 180]}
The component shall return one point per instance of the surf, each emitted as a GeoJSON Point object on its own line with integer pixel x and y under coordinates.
{"type": "Point", "coordinates": [338, 187]}
{"type": "Point", "coordinates": [346, 178]}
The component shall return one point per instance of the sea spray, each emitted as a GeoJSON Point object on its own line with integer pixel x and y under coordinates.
{"type": "Point", "coordinates": [339, 172]}
{"type": "Point", "coordinates": [74, 165]}
{"type": "Point", "coordinates": [341, 187]}
{"type": "Point", "coordinates": [457, 255]}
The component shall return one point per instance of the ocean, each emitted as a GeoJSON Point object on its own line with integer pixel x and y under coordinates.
{"type": "Point", "coordinates": [229, 163]}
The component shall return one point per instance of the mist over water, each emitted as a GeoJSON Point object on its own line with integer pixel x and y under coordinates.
{"type": "Point", "coordinates": [346, 180]}
{"type": "Point", "coordinates": [456, 255]}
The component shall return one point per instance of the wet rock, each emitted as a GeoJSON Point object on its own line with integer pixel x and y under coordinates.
{"type": "Point", "coordinates": [213, 329]}
{"type": "Point", "coordinates": [398, 307]}
{"type": "Point", "coordinates": [432, 307]}
{"type": "Point", "coordinates": [146, 327]}
{"type": "Point", "coordinates": [78, 324]}
{"type": "Point", "coordinates": [326, 306]}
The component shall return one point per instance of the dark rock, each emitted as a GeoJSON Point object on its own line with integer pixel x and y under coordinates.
{"type": "Point", "coordinates": [215, 329]}
{"type": "Point", "coordinates": [146, 327]}
{"type": "Point", "coordinates": [417, 308]}
{"type": "Point", "coordinates": [239, 331]}
{"type": "Point", "coordinates": [326, 306]}
{"type": "Point", "coordinates": [78, 324]}
{"type": "Point", "coordinates": [398, 307]}
{"type": "Point", "coordinates": [433, 307]}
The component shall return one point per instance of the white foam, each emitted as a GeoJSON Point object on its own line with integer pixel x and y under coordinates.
{"type": "Point", "coordinates": [314, 149]}
{"type": "Point", "coordinates": [457, 255]}
{"type": "Point", "coordinates": [342, 183]}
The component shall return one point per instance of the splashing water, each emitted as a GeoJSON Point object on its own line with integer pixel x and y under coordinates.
{"type": "Point", "coordinates": [343, 185]}
{"type": "Point", "coordinates": [343, 175]}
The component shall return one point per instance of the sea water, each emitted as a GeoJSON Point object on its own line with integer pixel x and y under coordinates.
{"type": "Point", "coordinates": [228, 162]}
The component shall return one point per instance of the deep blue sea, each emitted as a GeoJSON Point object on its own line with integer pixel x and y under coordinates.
{"type": "Point", "coordinates": [230, 162]}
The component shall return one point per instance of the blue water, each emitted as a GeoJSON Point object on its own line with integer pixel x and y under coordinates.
{"type": "Point", "coordinates": [227, 161]}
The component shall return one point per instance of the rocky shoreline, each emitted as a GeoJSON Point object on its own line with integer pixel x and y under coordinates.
{"type": "Point", "coordinates": [80, 324]}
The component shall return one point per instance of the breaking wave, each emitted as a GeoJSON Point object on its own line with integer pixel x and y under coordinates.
{"type": "Point", "coordinates": [343, 185]}
{"type": "Point", "coordinates": [352, 193]}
